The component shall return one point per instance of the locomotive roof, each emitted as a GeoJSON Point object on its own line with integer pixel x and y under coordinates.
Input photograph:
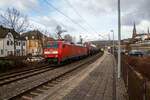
{"type": "Point", "coordinates": [69, 43]}
{"type": "Point", "coordinates": [61, 41]}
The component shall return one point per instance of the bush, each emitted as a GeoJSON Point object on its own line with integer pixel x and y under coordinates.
{"type": "Point", "coordinates": [17, 61]}
{"type": "Point", "coordinates": [5, 65]}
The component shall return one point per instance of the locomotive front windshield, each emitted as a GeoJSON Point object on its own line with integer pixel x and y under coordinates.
{"type": "Point", "coordinates": [52, 45]}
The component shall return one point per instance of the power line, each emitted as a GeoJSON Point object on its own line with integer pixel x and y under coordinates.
{"type": "Point", "coordinates": [75, 11]}
{"type": "Point", "coordinates": [65, 15]}
{"type": "Point", "coordinates": [81, 16]}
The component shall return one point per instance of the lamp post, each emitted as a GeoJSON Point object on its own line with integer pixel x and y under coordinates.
{"type": "Point", "coordinates": [105, 44]}
{"type": "Point", "coordinates": [113, 41]}
{"type": "Point", "coordinates": [119, 38]}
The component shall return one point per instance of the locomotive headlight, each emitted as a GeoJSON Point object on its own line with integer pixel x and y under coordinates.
{"type": "Point", "coordinates": [46, 52]}
{"type": "Point", "coordinates": [54, 52]}
{"type": "Point", "coordinates": [50, 52]}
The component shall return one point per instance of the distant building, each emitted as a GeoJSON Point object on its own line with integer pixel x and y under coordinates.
{"type": "Point", "coordinates": [137, 42]}
{"type": "Point", "coordinates": [102, 43]}
{"type": "Point", "coordinates": [36, 42]}
{"type": "Point", "coordinates": [11, 43]}
{"type": "Point", "coordinates": [139, 37]}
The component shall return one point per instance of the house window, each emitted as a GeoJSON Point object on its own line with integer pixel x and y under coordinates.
{"type": "Point", "coordinates": [23, 51]}
{"type": "Point", "coordinates": [9, 35]}
{"type": "Point", "coordinates": [32, 37]}
{"type": "Point", "coordinates": [16, 43]}
{"type": "Point", "coordinates": [32, 50]}
{"type": "Point", "coordinates": [11, 43]}
{"type": "Point", "coordinates": [24, 43]}
{"type": "Point", "coordinates": [2, 52]}
{"type": "Point", "coordinates": [32, 44]}
{"type": "Point", "coordinates": [9, 53]}
{"type": "Point", "coordinates": [19, 43]}
{"type": "Point", "coordinates": [26, 38]}
{"type": "Point", "coordinates": [7, 42]}
{"type": "Point", "coordinates": [17, 51]}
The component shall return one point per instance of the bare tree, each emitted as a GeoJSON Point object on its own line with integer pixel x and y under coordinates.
{"type": "Point", "coordinates": [59, 32]}
{"type": "Point", "coordinates": [44, 38]}
{"type": "Point", "coordinates": [81, 39]}
{"type": "Point", "coordinates": [14, 19]}
{"type": "Point", "coordinates": [68, 38]}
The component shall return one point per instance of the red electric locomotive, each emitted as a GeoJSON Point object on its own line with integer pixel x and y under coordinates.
{"type": "Point", "coordinates": [60, 51]}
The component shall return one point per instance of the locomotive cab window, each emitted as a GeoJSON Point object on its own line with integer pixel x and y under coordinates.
{"type": "Point", "coordinates": [63, 45]}
{"type": "Point", "coordinates": [52, 45]}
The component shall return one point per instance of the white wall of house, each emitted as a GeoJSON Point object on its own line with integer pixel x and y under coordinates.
{"type": "Point", "coordinates": [1, 48]}
{"type": "Point", "coordinates": [21, 47]}
{"type": "Point", "coordinates": [24, 44]}
{"type": "Point", "coordinates": [8, 45]}
{"type": "Point", "coordinates": [18, 48]}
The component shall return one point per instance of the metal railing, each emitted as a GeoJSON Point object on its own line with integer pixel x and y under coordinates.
{"type": "Point", "coordinates": [138, 87]}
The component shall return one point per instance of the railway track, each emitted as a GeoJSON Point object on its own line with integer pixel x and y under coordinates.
{"type": "Point", "coordinates": [16, 76]}
{"type": "Point", "coordinates": [59, 76]}
{"type": "Point", "coordinates": [22, 75]}
{"type": "Point", "coordinates": [20, 71]}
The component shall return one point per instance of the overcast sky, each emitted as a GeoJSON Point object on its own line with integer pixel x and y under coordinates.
{"type": "Point", "coordinates": [89, 17]}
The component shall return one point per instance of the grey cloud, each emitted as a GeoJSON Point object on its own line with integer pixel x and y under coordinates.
{"type": "Point", "coordinates": [20, 4]}
{"type": "Point", "coordinates": [131, 10]}
{"type": "Point", "coordinates": [96, 7]}
{"type": "Point", "coordinates": [52, 23]}
{"type": "Point", "coordinates": [136, 11]}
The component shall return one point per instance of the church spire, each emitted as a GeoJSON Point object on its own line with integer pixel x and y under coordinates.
{"type": "Point", "coordinates": [134, 31]}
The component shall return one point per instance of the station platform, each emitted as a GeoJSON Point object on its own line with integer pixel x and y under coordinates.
{"type": "Point", "coordinates": [97, 82]}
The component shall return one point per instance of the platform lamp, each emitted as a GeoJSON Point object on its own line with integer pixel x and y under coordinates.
{"type": "Point", "coordinates": [113, 41]}
{"type": "Point", "coordinates": [119, 38]}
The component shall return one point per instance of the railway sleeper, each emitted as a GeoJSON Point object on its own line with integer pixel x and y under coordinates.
{"type": "Point", "coordinates": [45, 86]}
{"type": "Point", "coordinates": [40, 89]}
{"type": "Point", "coordinates": [35, 93]}
{"type": "Point", "coordinates": [27, 97]}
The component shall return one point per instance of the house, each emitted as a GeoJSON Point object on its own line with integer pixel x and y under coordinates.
{"type": "Point", "coordinates": [36, 41]}
{"type": "Point", "coordinates": [6, 43]}
{"type": "Point", "coordinates": [21, 46]}
{"type": "Point", "coordinates": [11, 43]}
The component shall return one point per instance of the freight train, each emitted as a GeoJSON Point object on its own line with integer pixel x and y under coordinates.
{"type": "Point", "coordinates": [61, 51]}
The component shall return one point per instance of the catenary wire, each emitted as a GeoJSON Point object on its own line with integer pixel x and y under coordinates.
{"type": "Point", "coordinates": [52, 6]}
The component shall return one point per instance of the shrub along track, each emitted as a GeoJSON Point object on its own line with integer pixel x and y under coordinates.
{"type": "Point", "coordinates": [18, 88]}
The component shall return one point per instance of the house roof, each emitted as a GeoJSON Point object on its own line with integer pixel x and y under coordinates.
{"type": "Point", "coordinates": [4, 31]}
{"type": "Point", "coordinates": [37, 35]}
